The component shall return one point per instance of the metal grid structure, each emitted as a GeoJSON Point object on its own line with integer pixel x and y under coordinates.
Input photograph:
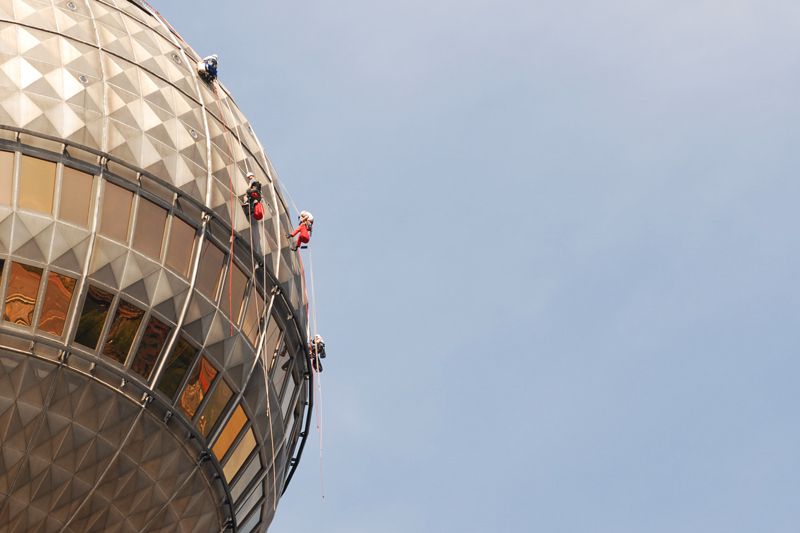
{"type": "Point", "coordinates": [152, 378]}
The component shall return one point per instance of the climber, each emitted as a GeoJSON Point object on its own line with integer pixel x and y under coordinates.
{"type": "Point", "coordinates": [317, 352]}
{"type": "Point", "coordinates": [251, 200]}
{"type": "Point", "coordinates": [207, 68]}
{"type": "Point", "coordinates": [304, 229]}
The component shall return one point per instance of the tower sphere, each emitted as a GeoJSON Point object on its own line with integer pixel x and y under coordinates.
{"type": "Point", "coordinates": [153, 344]}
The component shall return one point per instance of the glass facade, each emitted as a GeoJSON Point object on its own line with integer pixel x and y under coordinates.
{"type": "Point", "coordinates": [57, 301]}
{"type": "Point", "coordinates": [133, 337]}
{"type": "Point", "coordinates": [181, 244]}
{"type": "Point", "coordinates": [116, 212]}
{"type": "Point", "coordinates": [6, 177]}
{"type": "Point", "coordinates": [214, 408]}
{"type": "Point", "coordinates": [93, 316]}
{"type": "Point", "coordinates": [122, 332]}
{"type": "Point", "coordinates": [177, 366]}
{"type": "Point", "coordinates": [239, 455]}
{"type": "Point", "coordinates": [37, 181]}
{"type": "Point", "coordinates": [210, 270]}
{"type": "Point", "coordinates": [76, 196]}
{"type": "Point", "coordinates": [150, 223]}
{"type": "Point", "coordinates": [196, 388]}
{"type": "Point", "coordinates": [118, 278]}
{"type": "Point", "coordinates": [229, 433]}
{"type": "Point", "coordinates": [21, 294]}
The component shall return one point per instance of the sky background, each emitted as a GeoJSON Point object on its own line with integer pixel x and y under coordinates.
{"type": "Point", "coordinates": [555, 254]}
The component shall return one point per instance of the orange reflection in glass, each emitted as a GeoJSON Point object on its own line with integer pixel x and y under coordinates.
{"type": "Point", "coordinates": [235, 424]}
{"type": "Point", "coordinates": [214, 407]}
{"type": "Point", "coordinates": [6, 177]}
{"type": "Point", "coordinates": [37, 182]}
{"type": "Point", "coordinates": [57, 300]}
{"type": "Point", "coordinates": [23, 287]}
{"type": "Point", "coordinates": [197, 387]}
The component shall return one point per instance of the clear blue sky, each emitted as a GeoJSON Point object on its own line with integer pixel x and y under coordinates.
{"type": "Point", "coordinates": [556, 256]}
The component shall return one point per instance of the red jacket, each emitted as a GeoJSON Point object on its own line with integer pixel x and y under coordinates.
{"type": "Point", "coordinates": [302, 229]}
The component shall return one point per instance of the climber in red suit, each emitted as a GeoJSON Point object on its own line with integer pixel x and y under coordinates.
{"type": "Point", "coordinates": [303, 229]}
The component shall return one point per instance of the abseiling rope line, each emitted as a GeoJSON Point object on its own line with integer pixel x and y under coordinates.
{"type": "Point", "coordinates": [227, 129]}
{"type": "Point", "coordinates": [318, 375]}
{"type": "Point", "coordinates": [264, 357]}
{"type": "Point", "coordinates": [262, 330]}
{"type": "Point", "coordinates": [311, 310]}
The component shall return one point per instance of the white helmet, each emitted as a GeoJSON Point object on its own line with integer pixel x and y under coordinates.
{"type": "Point", "coordinates": [307, 216]}
{"type": "Point", "coordinates": [212, 57]}
{"type": "Point", "coordinates": [318, 339]}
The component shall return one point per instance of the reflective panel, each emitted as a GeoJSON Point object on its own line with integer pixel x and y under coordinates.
{"type": "Point", "coordinates": [57, 299]}
{"type": "Point", "coordinates": [150, 223]}
{"type": "Point", "coordinates": [37, 182]}
{"type": "Point", "coordinates": [123, 331]}
{"type": "Point", "coordinates": [250, 524]}
{"type": "Point", "coordinates": [93, 316]}
{"type": "Point", "coordinates": [248, 474]}
{"type": "Point", "coordinates": [116, 212]}
{"type": "Point", "coordinates": [6, 177]}
{"type": "Point", "coordinates": [153, 339]}
{"type": "Point", "coordinates": [231, 305]}
{"type": "Point", "coordinates": [76, 196]}
{"type": "Point", "coordinates": [196, 388]}
{"type": "Point", "coordinates": [209, 271]}
{"type": "Point", "coordinates": [181, 244]}
{"type": "Point", "coordinates": [23, 287]}
{"type": "Point", "coordinates": [214, 407]}
{"type": "Point", "coordinates": [287, 435]}
{"type": "Point", "coordinates": [177, 365]}
{"type": "Point", "coordinates": [251, 501]}
{"type": "Point", "coordinates": [282, 365]}
{"type": "Point", "coordinates": [229, 433]}
{"type": "Point", "coordinates": [288, 395]}
{"type": "Point", "coordinates": [239, 455]}
{"type": "Point", "coordinates": [271, 342]}
{"type": "Point", "coordinates": [255, 307]}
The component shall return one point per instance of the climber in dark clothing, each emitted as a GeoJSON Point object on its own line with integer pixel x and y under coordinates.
{"type": "Point", "coordinates": [207, 68]}
{"type": "Point", "coordinates": [251, 200]}
{"type": "Point", "coordinates": [317, 352]}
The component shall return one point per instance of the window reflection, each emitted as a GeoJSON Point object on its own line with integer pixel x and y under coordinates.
{"type": "Point", "coordinates": [116, 212]}
{"type": "Point", "coordinates": [23, 287]}
{"type": "Point", "coordinates": [177, 365]}
{"type": "Point", "coordinates": [76, 196]}
{"type": "Point", "coordinates": [229, 433]}
{"type": "Point", "coordinates": [209, 271]}
{"type": "Point", "coordinates": [236, 281]}
{"type": "Point", "coordinates": [282, 365]}
{"type": "Point", "coordinates": [288, 395]}
{"type": "Point", "coordinates": [153, 339]}
{"type": "Point", "coordinates": [181, 243]}
{"type": "Point", "coordinates": [214, 407]}
{"type": "Point", "coordinates": [197, 387]}
{"type": "Point", "coordinates": [57, 299]}
{"type": "Point", "coordinates": [239, 455]}
{"type": "Point", "coordinates": [122, 331]}
{"type": "Point", "coordinates": [37, 181]}
{"type": "Point", "coordinates": [6, 177]}
{"type": "Point", "coordinates": [250, 502]}
{"type": "Point", "coordinates": [93, 316]}
{"type": "Point", "coordinates": [250, 472]}
{"type": "Point", "coordinates": [149, 234]}
{"type": "Point", "coordinates": [271, 342]}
